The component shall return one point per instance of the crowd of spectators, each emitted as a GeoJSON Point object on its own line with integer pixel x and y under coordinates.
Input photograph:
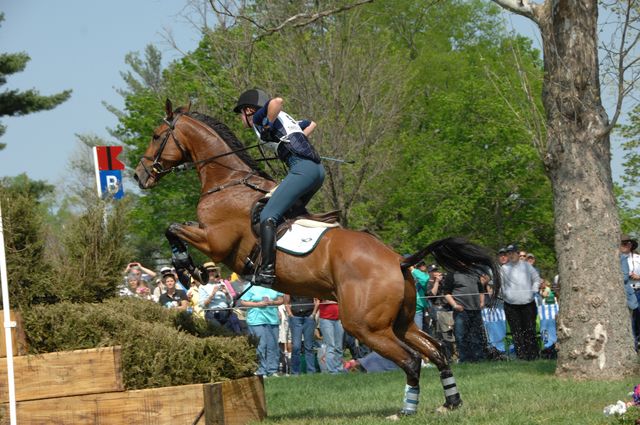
{"type": "Point", "coordinates": [304, 335]}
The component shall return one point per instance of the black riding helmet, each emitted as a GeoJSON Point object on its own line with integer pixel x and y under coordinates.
{"type": "Point", "coordinates": [253, 97]}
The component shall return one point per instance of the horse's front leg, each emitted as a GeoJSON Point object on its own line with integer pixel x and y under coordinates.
{"type": "Point", "coordinates": [191, 233]}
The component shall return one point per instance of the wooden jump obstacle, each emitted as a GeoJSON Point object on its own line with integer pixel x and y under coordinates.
{"type": "Point", "coordinates": [86, 387]}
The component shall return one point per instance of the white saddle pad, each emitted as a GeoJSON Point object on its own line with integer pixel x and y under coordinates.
{"type": "Point", "coordinates": [300, 240]}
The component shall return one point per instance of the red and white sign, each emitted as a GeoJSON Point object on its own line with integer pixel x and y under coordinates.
{"type": "Point", "coordinates": [108, 171]}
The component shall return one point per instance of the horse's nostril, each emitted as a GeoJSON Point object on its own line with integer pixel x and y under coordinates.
{"type": "Point", "coordinates": [135, 177]}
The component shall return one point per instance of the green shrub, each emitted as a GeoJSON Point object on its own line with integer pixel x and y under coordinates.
{"type": "Point", "coordinates": [159, 347]}
{"type": "Point", "coordinates": [91, 251]}
{"type": "Point", "coordinates": [23, 219]}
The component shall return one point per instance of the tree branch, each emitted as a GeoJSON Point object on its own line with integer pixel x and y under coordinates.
{"type": "Point", "coordinates": [226, 11]}
{"type": "Point", "coordinates": [295, 21]}
{"type": "Point", "coordinates": [624, 50]}
{"type": "Point", "coordinates": [521, 7]}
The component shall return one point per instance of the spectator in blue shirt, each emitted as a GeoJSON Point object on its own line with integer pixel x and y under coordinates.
{"type": "Point", "coordinates": [263, 322]}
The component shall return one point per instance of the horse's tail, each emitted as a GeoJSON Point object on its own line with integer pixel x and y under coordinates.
{"type": "Point", "coordinates": [459, 255]}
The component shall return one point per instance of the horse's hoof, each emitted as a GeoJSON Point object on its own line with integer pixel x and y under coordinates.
{"type": "Point", "coordinates": [448, 407]}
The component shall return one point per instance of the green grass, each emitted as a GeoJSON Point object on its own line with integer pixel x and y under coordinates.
{"type": "Point", "coordinates": [494, 393]}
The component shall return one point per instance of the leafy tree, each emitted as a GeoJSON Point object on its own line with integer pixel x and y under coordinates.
{"type": "Point", "coordinates": [15, 102]}
{"type": "Point", "coordinates": [465, 164]}
{"type": "Point", "coordinates": [89, 242]}
{"type": "Point", "coordinates": [628, 209]}
{"type": "Point", "coordinates": [23, 220]}
{"type": "Point", "coordinates": [92, 252]}
{"type": "Point", "coordinates": [629, 192]}
{"type": "Point", "coordinates": [75, 255]}
{"type": "Point", "coordinates": [343, 84]}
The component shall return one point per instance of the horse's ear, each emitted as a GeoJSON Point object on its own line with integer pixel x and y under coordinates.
{"type": "Point", "coordinates": [168, 109]}
{"type": "Point", "coordinates": [188, 108]}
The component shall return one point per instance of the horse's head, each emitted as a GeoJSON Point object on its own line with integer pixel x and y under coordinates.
{"type": "Point", "coordinates": [164, 151]}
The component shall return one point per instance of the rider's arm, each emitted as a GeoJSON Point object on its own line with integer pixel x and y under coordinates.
{"type": "Point", "coordinates": [309, 129]}
{"type": "Point", "coordinates": [274, 108]}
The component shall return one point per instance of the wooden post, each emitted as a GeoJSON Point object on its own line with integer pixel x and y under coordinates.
{"type": "Point", "coordinates": [234, 402]}
{"type": "Point", "coordinates": [18, 338]}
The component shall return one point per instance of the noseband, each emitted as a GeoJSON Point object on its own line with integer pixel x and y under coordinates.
{"type": "Point", "coordinates": [156, 166]}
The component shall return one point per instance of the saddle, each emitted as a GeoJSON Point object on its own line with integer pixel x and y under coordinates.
{"type": "Point", "coordinates": [297, 220]}
{"type": "Point", "coordinates": [296, 214]}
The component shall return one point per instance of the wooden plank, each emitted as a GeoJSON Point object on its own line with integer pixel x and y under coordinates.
{"type": "Point", "coordinates": [157, 406]}
{"type": "Point", "coordinates": [236, 402]}
{"type": "Point", "coordinates": [18, 337]}
{"type": "Point", "coordinates": [67, 373]}
{"type": "Point", "coordinates": [213, 404]}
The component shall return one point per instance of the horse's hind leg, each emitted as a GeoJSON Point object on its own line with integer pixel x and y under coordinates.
{"type": "Point", "coordinates": [177, 234]}
{"type": "Point", "coordinates": [385, 343]}
{"type": "Point", "coordinates": [431, 349]}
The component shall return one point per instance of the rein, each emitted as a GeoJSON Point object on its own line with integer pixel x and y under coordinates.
{"type": "Point", "coordinates": [186, 165]}
{"type": "Point", "coordinates": [193, 164]}
{"type": "Point", "coordinates": [159, 169]}
{"type": "Point", "coordinates": [245, 181]}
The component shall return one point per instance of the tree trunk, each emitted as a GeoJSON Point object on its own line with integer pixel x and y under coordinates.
{"type": "Point", "coordinates": [594, 332]}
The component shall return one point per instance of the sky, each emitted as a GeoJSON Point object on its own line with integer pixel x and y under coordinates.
{"type": "Point", "coordinates": [81, 45]}
{"type": "Point", "coordinates": [78, 45]}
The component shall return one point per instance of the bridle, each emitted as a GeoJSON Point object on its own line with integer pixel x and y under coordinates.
{"type": "Point", "coordinates": [188, 163]}
{"type": "Point", "coordinates": [156, 166]}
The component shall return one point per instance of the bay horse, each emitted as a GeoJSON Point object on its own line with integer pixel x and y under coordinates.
{"type": "Point", "coordinates": [371, 283]}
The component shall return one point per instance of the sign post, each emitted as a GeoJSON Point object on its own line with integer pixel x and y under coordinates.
{"type": "Point", "coordinates": [108, 171]}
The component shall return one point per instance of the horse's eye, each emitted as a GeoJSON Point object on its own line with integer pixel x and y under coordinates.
{"type": "Point", "coordinates": [156, 136]}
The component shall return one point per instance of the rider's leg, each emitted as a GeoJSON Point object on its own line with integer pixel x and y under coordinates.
{"type": "Point", "coordinates": [303, 177]}
{"type": "Point", "coordinates": [303, 181]}
{"type": "Point", "coordinates": [266, 276]}
{"type": "Point", "coordinates": [316, 170]}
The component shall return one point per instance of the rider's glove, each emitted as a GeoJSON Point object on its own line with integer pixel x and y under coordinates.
{"type": "Point", "coordinates": [269, 135]}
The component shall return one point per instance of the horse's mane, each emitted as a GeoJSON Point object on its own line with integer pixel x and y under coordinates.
{"type": "Point", "coordinates": [231, 140]}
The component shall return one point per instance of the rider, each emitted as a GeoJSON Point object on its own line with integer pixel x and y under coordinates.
{"type": "Point", "coordinates": [288, 138]}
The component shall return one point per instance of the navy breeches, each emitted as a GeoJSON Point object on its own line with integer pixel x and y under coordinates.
{"type": "Point", "coordinates": [303, 181]}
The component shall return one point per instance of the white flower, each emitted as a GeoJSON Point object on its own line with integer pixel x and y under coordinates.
{"type": "Point", "coordinates": [620, 408]}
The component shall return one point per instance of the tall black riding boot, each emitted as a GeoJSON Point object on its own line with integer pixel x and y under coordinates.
{"type": "Point", "coordinates": [266, 275]}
